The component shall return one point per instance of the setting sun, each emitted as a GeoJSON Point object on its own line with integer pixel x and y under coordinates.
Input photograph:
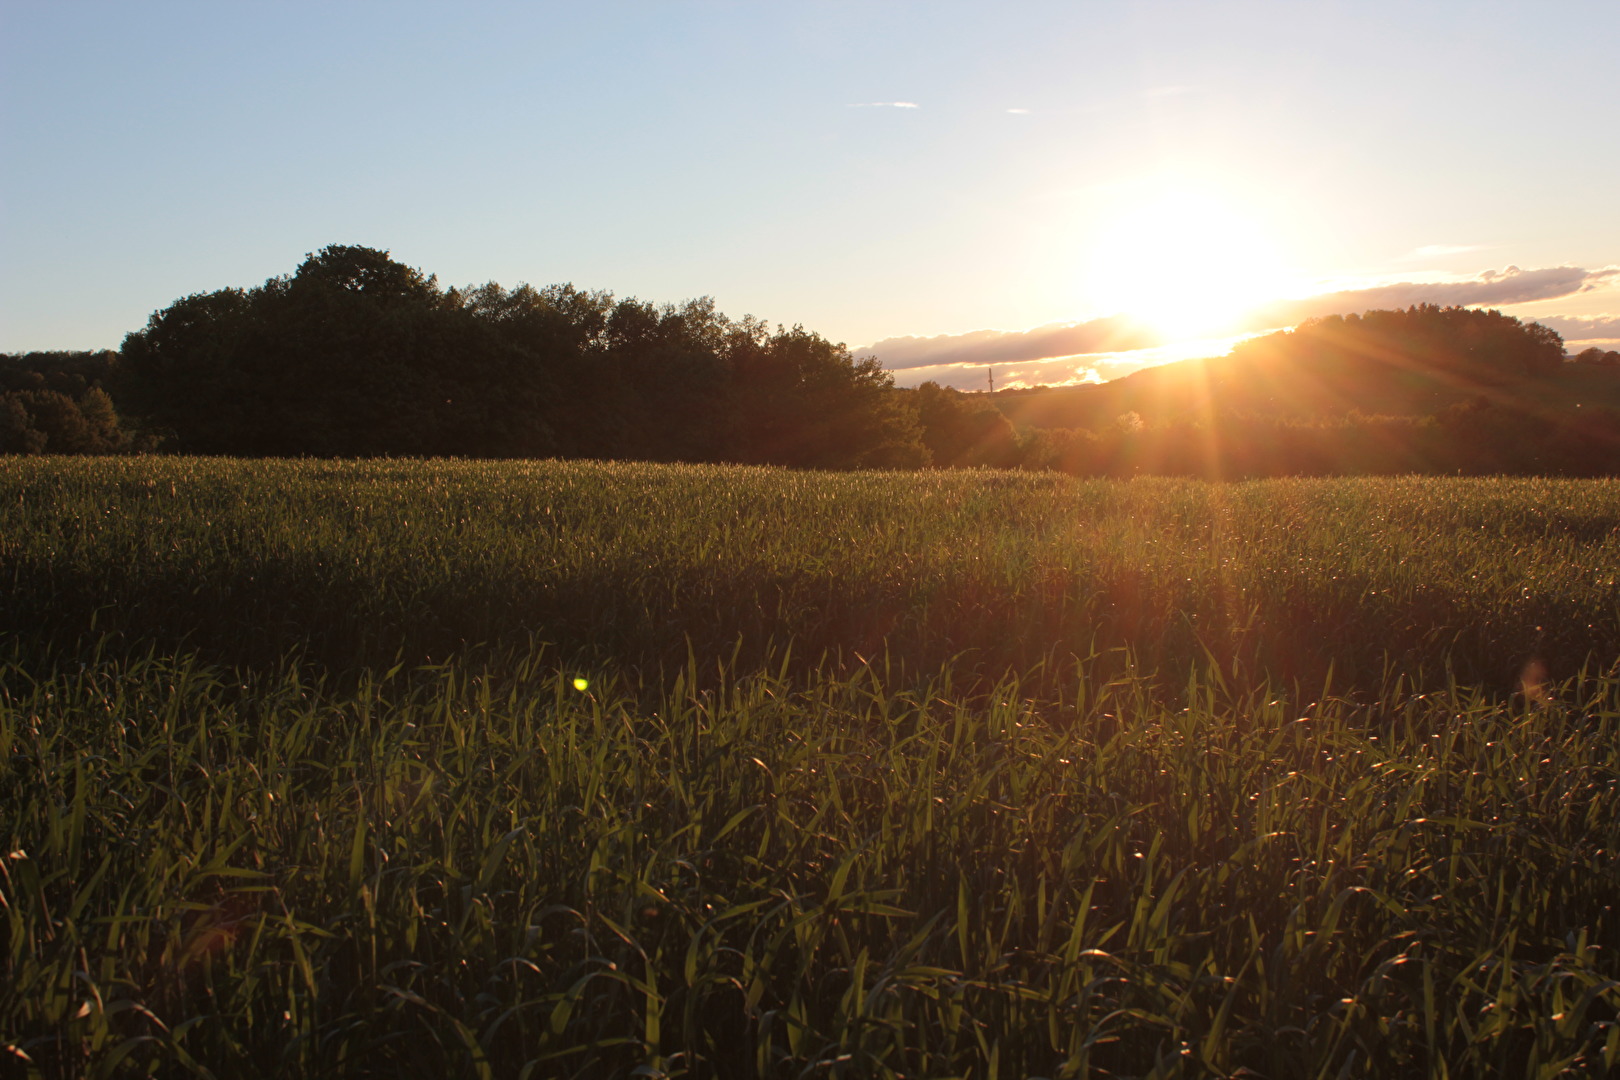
{"type": "Point", "coordinates": [1183, 261]}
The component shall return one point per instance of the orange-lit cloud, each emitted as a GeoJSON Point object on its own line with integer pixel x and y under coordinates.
{"type": "Point", "coordinates": [1583, 327]}
{"type": "Point", "coordinates": [984, 347]}
{"type": "Point", "coordinates": [1090, 367]}
{"type": "Point", "coordinates": [1055, 371]}
{"type": "Point", "coordinates": [1510, 286]}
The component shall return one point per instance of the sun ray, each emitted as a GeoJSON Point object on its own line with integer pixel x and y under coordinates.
{"type": "Point", "coordinates": [1185, 261]}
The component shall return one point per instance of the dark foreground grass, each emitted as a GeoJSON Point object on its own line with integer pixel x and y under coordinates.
{"type": "Point", "coordinates": [1051, 783]}
{"type": "Point", "coordinates": [508, 877]}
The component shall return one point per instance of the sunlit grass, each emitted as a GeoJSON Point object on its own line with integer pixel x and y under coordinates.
{"type": "Point", "coordinates": [377, 561]}
{"type": "Point", "coordinates": [865, 775]}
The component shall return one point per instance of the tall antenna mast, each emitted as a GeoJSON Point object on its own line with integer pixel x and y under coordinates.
{"type": "Point", "coordinates": [992, 372]}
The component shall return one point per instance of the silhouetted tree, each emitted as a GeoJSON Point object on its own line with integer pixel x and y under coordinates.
{"type": "Point", "coordinates": [54, 403]}
{"type": "Point", "coordinates": [567, 405]}
{"type": "Point", "coordinates": [672, 373]}
{"type": "Point", "coordinates": [964, 429]}
{"type": "Point", "coordinates": [1076, 451]}
{"type": "Point", "coordinates": [186, 376]}
{"type": "Point", "coordinates": [356, 354]}
{"type": "Point", "coordinates": [18, 435]}
{"type": "Point", "coordinates": [801, 400]}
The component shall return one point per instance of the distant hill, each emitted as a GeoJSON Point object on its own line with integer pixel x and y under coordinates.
{"type": "Point", "coordinates": [1333, 368]}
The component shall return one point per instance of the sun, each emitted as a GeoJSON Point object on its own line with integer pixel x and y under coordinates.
{"type": "Point", "coordinates": [1184, 261]}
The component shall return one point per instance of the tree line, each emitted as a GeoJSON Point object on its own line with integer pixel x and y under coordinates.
{"type": "Point", "coordinates": [57, 402]}
{"type": "Point", "coordinates": [1471, 439]}
{"type": "Point", "coordinates": [355, 354]}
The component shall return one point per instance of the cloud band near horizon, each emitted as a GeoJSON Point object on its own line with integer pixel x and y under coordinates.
{"type": "Point", "coordinates": [1510, 286]}
{"type": "Point", "coordinates": [1116, 334]}
{"type": "Point", "coordinates": [984, 347]}
{"type": "Point", "coordinates": [1583, 327]}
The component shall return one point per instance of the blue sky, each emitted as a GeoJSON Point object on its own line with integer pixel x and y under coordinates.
{"type": "Point", "coordinates": [887, 174]}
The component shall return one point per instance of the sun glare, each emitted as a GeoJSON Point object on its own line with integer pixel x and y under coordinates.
{"type": "Point", "coordinates": [1185, 262]}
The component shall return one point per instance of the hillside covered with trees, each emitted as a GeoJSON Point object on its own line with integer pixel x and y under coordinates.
{"type": "Point", "coordinates": [357, 355]}
{"type": "Point", "coordinates": [1421, 390]}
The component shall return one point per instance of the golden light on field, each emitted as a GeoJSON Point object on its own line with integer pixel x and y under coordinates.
{"type": "Point", "coordinates": [1183, 261]}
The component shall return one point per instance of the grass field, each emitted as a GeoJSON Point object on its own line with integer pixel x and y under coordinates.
{"type": "Point", "coordinates": [477, 769]}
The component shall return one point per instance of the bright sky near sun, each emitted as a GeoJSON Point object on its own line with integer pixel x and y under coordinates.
{"type": "Point", "coordinates": [946, 185]}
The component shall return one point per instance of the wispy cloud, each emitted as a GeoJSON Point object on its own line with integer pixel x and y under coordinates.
{"type": "Point", "coordinates": [1065, 370]}
{"type": "Point", "coordinates": [1062, 371]}
{"type": "Point", "coordinates": [1019, 112]}
{"type": "Point", "coordinates": [983, 347]}
{"type": "Point", "coordinates": [1584, 327]}
{"type": "Point", "coordinates": [1510, 286]}
{"type": "Point", "coordinates": [883, 105]}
